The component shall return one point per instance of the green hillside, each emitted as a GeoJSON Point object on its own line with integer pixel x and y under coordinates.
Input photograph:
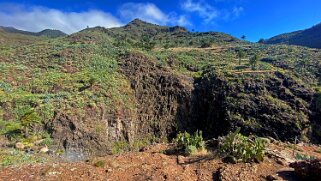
{"type": "Point", "coordinates": [46, 33]}
{"type": "Point", "coordinates": [310, 38]}
{"type": "Point", "coordinates": [94, 90]}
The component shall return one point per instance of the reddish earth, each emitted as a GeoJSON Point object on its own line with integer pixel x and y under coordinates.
{"type": "Point", "coordinates": [152, 164]}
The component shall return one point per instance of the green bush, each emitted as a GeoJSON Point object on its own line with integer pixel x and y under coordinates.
{"type": "Point", "coordinates": [206, 44]}
{"type": "Point", "coordinates": [304, 157]}
{"type": "Point", "coordinates": [99, 163]}
{"type": "Point", "coordinates": [242, 148]}
{"type": "Point", "coordinates": [120, 147]}
{"type": "Point", "coordinates": [28, 120]}
{"type": "Point", "coordinates": [190, 144]}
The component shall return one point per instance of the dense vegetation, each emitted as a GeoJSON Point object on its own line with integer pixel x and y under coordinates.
{"type": "Point", "coordinates": [100, 89]}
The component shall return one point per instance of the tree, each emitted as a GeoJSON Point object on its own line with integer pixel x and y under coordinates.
{"type": "Point", "coordinates": [28, 121]}
{"type": "Point", "coordinates": [302, 64]}
{"type": "Point", "coordinates": [243, 37]}
{"type": "Point", "coordinates": [254, 60]}
{"type": "Point", "coordinates": [240, 55]}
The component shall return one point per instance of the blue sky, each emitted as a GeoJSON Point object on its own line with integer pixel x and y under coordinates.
{"type": "Point", "coordinates": [254, 18]}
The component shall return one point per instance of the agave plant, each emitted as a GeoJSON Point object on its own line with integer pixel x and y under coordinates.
{"type": "Point", "coordinates": [242, 148]}
{"type": "Point", "coordinates": [190, 143]}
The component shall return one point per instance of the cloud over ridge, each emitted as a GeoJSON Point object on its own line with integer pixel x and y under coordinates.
{"type": "Point", "coordinates": [38, 18]}
{"type": "Point", "coordinates": [151, 13]}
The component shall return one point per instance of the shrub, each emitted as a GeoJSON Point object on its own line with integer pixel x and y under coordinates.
{"type": "Point", "coordinates": [120, 146]}
{"type": "Point", "coordinates": [99, 163]}
{"type": "Point", "coordinates": [190, 144]}
{"type": "Point", "coordinates": [304, 157]}
{"type": "Point", "coordinates": [254, 60]}
{"type": "Point", "coordinates": [206, 44]}
{"type": "Point", "coordinates": [240, 54]}
{"type": "Point", "coordinates": [242, 148]}
{"type": "Point", "coordinates": [29, 120]}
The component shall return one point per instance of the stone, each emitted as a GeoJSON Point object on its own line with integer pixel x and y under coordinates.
{"type": "Point", "coordinates": [44, 149]}
{"type": "Point", "coordinates": [180, 159]}
{"type": "Point", "coordinates": [19, 146]}
{"type": "Point", "coordinates": [281, 162]}
{"type": "Point", "coordinates": [308, 169]}
{"type": "Point", "coordinates": [271, 178]}
{"type": "Point", "coordinates": [230, 159]}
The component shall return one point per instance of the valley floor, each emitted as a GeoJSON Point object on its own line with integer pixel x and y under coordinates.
{"type": "Point", "coordinates": [152, 164]}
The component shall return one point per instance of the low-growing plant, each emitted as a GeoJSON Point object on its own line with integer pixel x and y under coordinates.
{"type": "Point", "coordinates": [120, 146]}
{"type": "Point", "coordinates": [13, 157]}
{"type": "Point", "coordinates": [299, 156]}
{"type": "Point", "coordinates": [242, 148]}
{"type": "Point", "coordinates": [188, 143]}
{"type": "Point", "coordinates": [99, 163]}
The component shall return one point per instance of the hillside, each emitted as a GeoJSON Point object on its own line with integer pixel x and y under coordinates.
{"type": "Point", "coordinates": [310, 38]}
{"type": "Point", "coordinates": [14, 39]}
{"type": "Point", "coordinates": [46, 33]}
{"type": "Point", "coordinates": [103, 91]}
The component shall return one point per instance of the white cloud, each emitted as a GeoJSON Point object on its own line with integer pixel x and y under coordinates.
{"type": "Point", "coordinates": [210, 13]}
{"type": "Point", "coordinates": [151, 13]}
{"type": "Point", "coordinates": [205, 10]}
{"type": "Point", "coordinates": [237, 11]}
{"type": "Point", "coordinates": [39, 18]}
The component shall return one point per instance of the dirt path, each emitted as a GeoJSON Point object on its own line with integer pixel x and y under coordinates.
{"type": "Point", "coordinates": [152, 164]}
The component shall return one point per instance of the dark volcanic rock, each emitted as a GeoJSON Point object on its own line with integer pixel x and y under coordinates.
{"type": "Point", "coordinates": [165, 102]}
{"type": "Point", "coordinates": [162, 107]}
{"type": "Point", "coordinates": [266, 105]}
{"type": "Point", "coordinates": [308, 170]}
{"type": "Point", "coordinates": [163, 97]}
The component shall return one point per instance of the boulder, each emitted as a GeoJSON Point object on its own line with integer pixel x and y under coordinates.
{"type": "Point", "coordinates": [308, 169]}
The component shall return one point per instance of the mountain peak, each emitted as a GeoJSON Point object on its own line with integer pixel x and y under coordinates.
{"type": "Point", "coordinates": [138, 22]}
{"type": "Point", "coordinates": [51, 33]}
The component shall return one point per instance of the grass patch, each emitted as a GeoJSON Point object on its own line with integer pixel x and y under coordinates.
{"type": "Point", "coordinates": [12, 157]}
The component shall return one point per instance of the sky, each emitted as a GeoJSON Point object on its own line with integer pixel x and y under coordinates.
{"type": "Point", "coordinates": [253, 18]}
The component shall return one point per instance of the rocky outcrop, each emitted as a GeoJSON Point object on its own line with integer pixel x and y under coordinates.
{"type": "Point", "coordinates": [161, 107]}
{"type": "Point", "coordinates": [271, 104]}
{"type": "Point", "coordinates": [163, 97]}
{"type": "Point", "coordinates": [93, 132]}
{"type": "Point", "coordinates": [308, 170]}
{"type": "Point", "coordinates": [316, 118]}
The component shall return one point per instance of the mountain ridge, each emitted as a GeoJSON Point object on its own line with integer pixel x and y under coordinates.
{"type": "Point", "coordinates": [51, 33]}
{"type": "Point", "coordinates": [310, 37]}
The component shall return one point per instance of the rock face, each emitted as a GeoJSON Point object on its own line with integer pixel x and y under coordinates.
{"type": "Point", "coordinates": [165, 102]}
{"type": "Point", "coordinates": [308, 170]}
{"type": "Point", "coordinates": [162, 106]}
{"type": "Point", "coordinates": [316, 118]}
{"type": "Point", "coordinates": [163, 97]}
{"type": "Point", "coordinates": [266, 105]}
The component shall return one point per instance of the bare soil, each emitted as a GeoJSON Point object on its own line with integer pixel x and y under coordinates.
{"type": "Point", "coordinates": [152, 164]}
